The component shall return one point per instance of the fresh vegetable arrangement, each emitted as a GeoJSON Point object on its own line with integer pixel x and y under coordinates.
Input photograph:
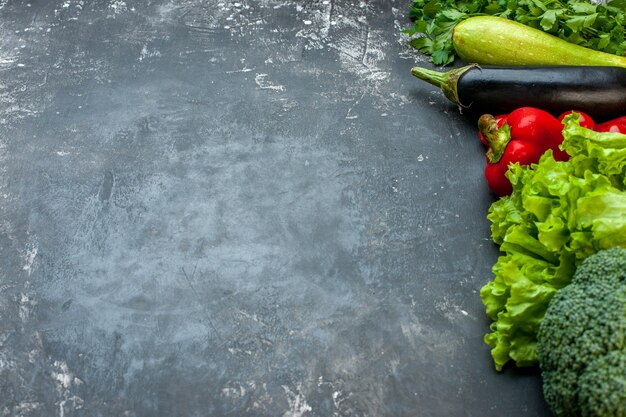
{"type": "Point", "coordinates": [559, 213]}
{"type": "Point", "coordinates": [598, 27]}
{"type": "Point", "coordinates": [548, 71]}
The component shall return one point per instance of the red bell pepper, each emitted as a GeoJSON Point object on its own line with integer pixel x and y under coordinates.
{"type": "Point", "coordinates": [615, 125]}
{"type": "Point", "coordinates": [523, 137]}
{"type": "Point", "coordinates": [584, 120]}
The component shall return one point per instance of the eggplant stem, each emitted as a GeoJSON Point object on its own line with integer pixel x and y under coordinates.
{"type": "Point", "coordinates": [446, 81]}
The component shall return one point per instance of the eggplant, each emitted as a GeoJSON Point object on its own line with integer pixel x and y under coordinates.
{"type": "Point", "coordinates": [599, 91]}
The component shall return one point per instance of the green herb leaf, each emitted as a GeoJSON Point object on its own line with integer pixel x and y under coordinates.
{"type": "Point", "coordinates": [579, 23]}
{"type": "Point", "coordinates": [432, 8]}
{"type": "Point", "coordinates": [453, 14]}
{"type": "Point", "coordinates": [423, 44]}
{"type": "Point", "coordinates": [548, 20]}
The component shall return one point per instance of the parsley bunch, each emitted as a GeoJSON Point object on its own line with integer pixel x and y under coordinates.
{"type": "Point", "coordinates": [595, 26]}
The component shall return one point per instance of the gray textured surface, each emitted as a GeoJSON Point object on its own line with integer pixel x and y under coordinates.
{"type": "Point", "coordinates": [217, 208]}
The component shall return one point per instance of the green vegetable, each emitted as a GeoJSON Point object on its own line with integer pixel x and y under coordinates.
{"type": "Point", "coordinates": [495, 41]}
{"type": "Point", "coordinates": [581, 341]}
{"type": "Point", "coordinates": [558, 214]}
{"type": "Point", "coordinates": [599, 27]}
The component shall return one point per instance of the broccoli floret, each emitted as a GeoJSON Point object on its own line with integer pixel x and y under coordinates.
{"type": "Point", "coordinates": [602, 387]}
{"type": "Point", "coordinates": [581, 341]}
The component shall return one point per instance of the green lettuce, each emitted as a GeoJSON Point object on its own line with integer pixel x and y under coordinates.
{"type": "Point", "coordinates": [558, 214]}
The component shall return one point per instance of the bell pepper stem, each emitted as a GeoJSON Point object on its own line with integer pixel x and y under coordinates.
{"type": "Point", "coordinates": [497, 137]}
{"type": "Point", "coordinates": [446, 81]}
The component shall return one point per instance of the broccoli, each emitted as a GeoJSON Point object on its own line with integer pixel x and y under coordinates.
{"type": "Point", "coordinates": [581, 341]}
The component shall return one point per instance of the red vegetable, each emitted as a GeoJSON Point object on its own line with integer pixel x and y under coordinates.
{"type": "Point", "coordinates": [523, 152]}
{"type": "Point", "coordinates": [615, 125]}
{"type": "Point", "coordinates": [537, 126]}
{"type": "Point", "coordinates": [525, 135]}
{"type": "Point", "coordinates": [585, 120]}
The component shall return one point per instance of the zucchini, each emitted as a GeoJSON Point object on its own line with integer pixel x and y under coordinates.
{"type": "Point", "coordinates": [492, 40]}
{"type": "Point", "coordinates": [597, 91]}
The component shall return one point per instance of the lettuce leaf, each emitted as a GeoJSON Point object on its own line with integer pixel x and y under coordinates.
{"type": "Point", "coordinates": [558, 214]}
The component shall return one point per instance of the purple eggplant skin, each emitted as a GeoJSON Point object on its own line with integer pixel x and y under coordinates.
{"type": "Point", "coordinates": [596, 90]}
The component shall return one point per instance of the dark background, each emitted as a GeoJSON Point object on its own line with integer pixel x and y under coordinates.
{"type": "Point", "coordinates": [250, 208]}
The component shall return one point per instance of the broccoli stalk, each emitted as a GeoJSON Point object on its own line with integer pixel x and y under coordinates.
{"type": "Point", "coordinates": [581, 341]}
